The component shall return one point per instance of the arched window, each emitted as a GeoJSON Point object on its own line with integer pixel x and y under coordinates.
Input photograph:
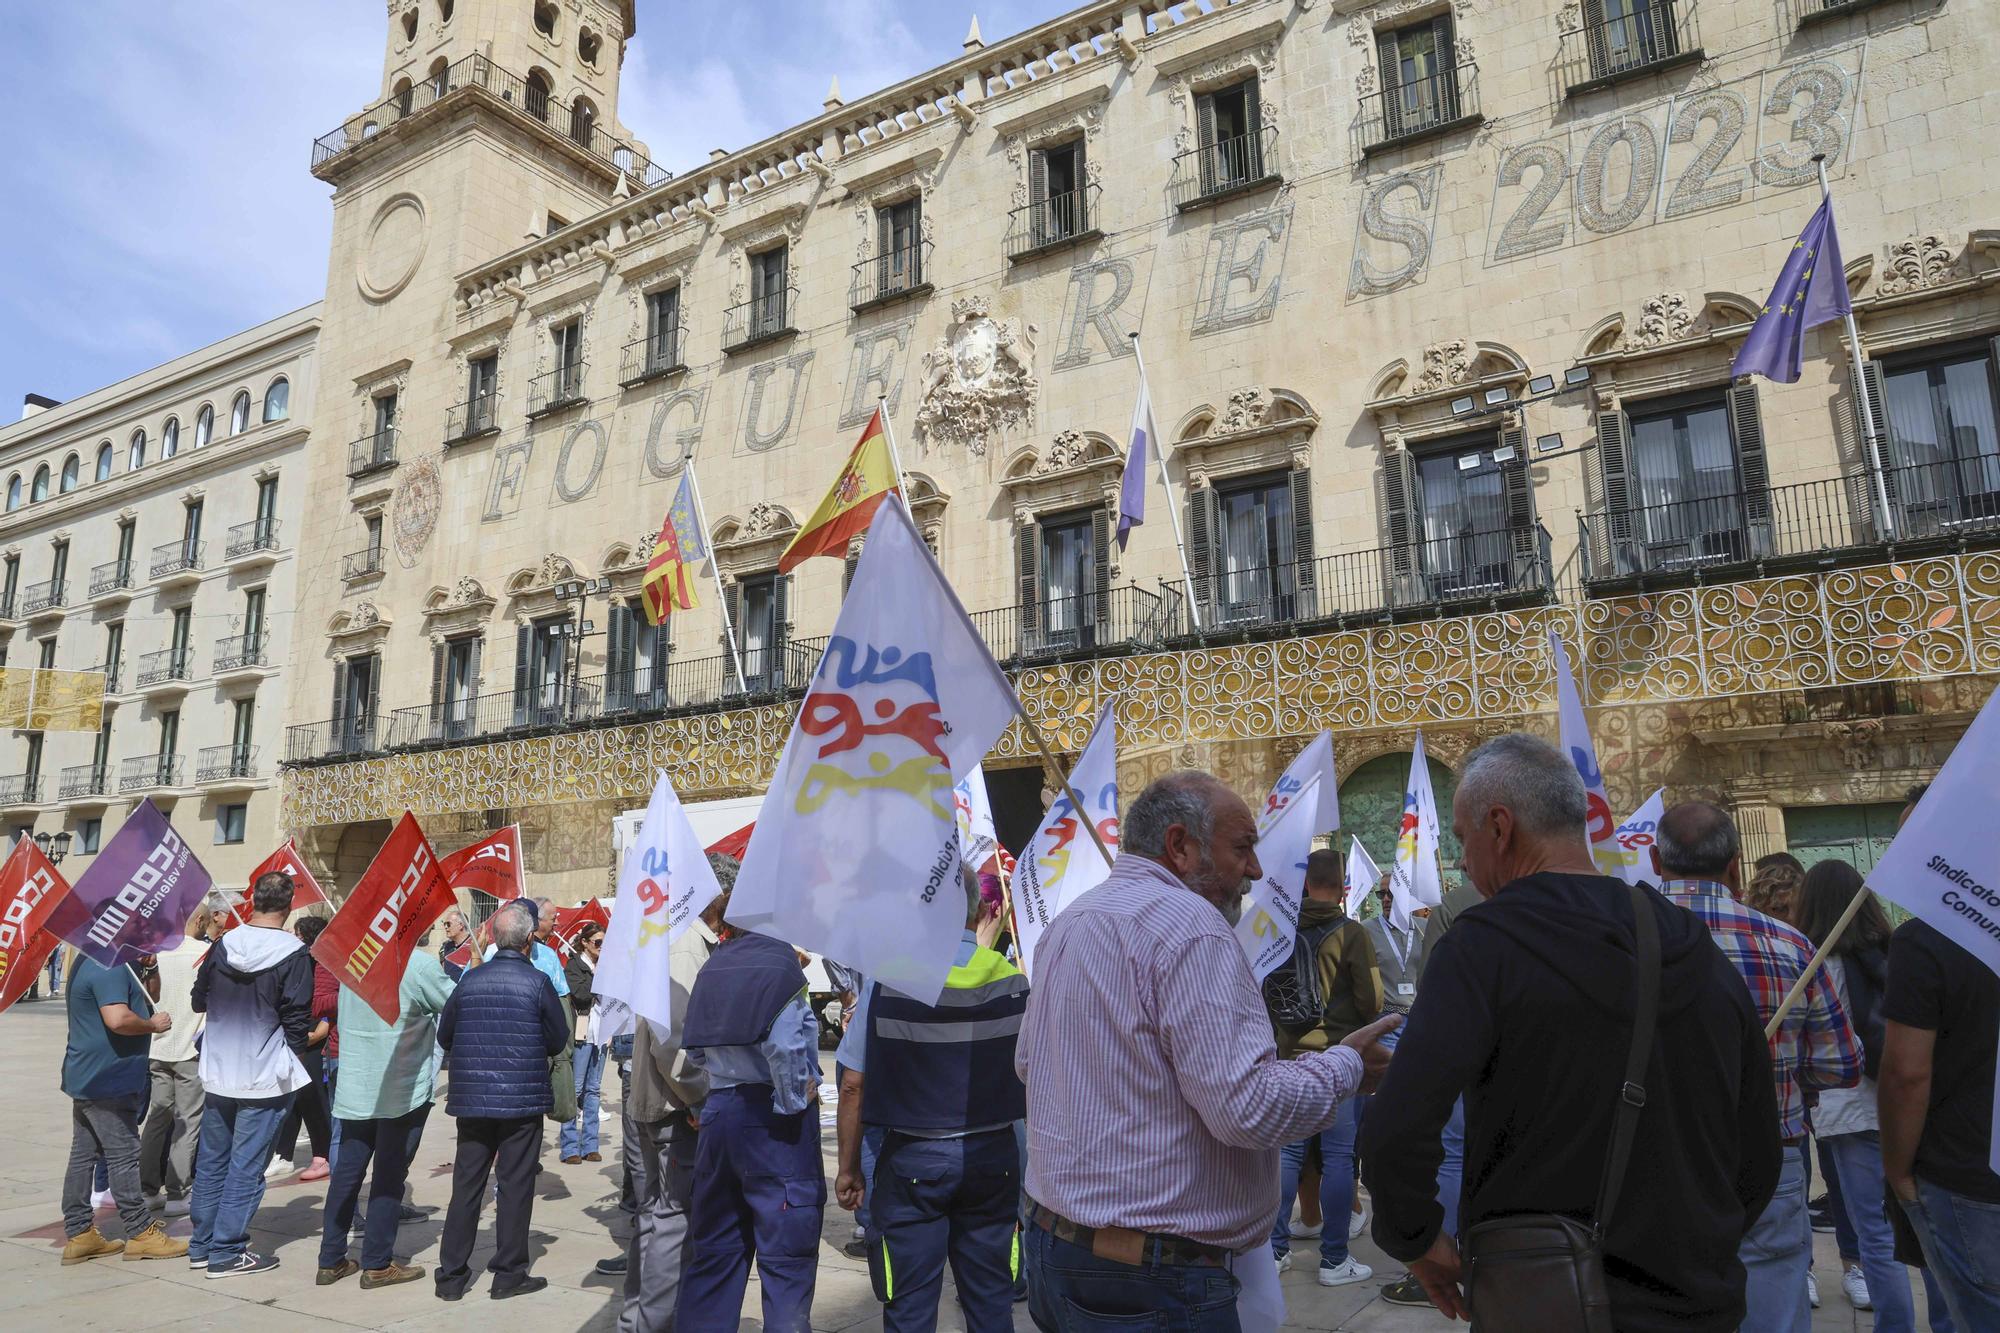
{"type": "Point", "coordinates": [13, 492]}
{"type": "Point", "coordinates": [72, 472]}
{"type": "Point", "coordinates": [538, 94]}
{"type": "Point", "coordinates": [135, 457]}
{"type": "Point", "coordinates": [170, 437]}
{"type": "Point", "coordinates": [41, 488]}
{"type": "Point", "coordinates": [589, 45]}
{"type": "Point", "coordinates": [445, 8]}
{"type": "Point", "coordinates": [278, 400]}
{"type": "Point", "coordinates": [440, 77]}
{"type": "Point", "coordinates": [105, 454]}
{"type": "Point", "coordinates": [406, 100]}
{"type": "Point", "coordinates": [239, 413]}
{"type": "Point", "coordinates": [545, 17]}
{"type": "Point", "coordinates": [582, 118]}
{"type": "Point", "coordinates": [410, 24]}
{"type": "Point", "coordinates": [204, 425]}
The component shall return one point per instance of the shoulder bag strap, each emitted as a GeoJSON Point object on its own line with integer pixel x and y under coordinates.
{"type": "Point", "coordinates": [1632, 1096]}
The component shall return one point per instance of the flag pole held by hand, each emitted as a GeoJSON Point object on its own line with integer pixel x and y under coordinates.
{"type": "Point", "coordinates": [1799, 986]}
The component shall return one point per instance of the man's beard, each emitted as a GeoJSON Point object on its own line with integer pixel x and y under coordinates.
{"type": "Point", "coordinates": [1227, 897]}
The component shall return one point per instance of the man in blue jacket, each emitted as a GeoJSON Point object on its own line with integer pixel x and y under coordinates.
{"type": "Point", "coordinates": [499, 1030]}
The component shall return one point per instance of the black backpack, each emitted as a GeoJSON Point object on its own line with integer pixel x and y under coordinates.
{"type": "Point", "coordinates": [1292, 991]}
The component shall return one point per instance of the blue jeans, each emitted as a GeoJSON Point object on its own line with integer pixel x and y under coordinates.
{"type": "Point", "coordinates": [1836, 1204]}
{"type": "Point", "coordinates": [390, 1144]}
{"type": "Point", "coordinates": [586, 1061]}
{"type": "Point", "coordinates": [1336, 1188]}
{"type": "Point", "coordinates": [332, 1066]}
{"type": "Point", "coordinates": [1961, 1243]}
{"type": "Point", "coordinates": [1856, 1160]}
{"type": "Point", "coordinates": [235, 1148]}
{"type": "Point", "coordinates": [1776, 1255]}
{"type": "Point", "coordinates": [1071, 1290]}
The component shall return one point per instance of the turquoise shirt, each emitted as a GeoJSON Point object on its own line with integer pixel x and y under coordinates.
{"type": "Point", "coordinates": [545, 961]}
{"type": "Point", "coordinates": [389, 1069]}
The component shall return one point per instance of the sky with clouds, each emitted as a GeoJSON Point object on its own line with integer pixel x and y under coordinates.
{"type": "Point", "coordinates": [156, 173]}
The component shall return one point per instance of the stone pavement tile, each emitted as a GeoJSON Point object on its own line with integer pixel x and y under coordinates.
{"type": "Point", "coordinates": [71, 1305]}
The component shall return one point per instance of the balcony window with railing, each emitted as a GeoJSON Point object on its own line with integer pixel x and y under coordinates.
{"type": "Point", "coordinates": [236, 651]}
{"type": "Point", "coordinates": [1233, 151]}
{"type": "Point", "coordinates": [168, 664]}
{"type": "Point", "coordinates": [259, 534]}
{"type": "Point", "coordinates": [765, 317]}
{"type": "Point", "coordinates": [1944, 443]}
{"type": "Point", "coordinates": [40, 597]}
{"type": "Point", "coordinates": [373, 452]}
{"type": "Point", "coordinates": [146, 771]}
{"type": "Point", "coordinates": [81, 780]}
{"type": "Point", "coordinates": [181, 557]}
{"type": "Point", "coordinates": [657, 354]}
{"type": "Point", "coordinates": [559, 387]}
{"type": "Point", "coordinates": [21, 789]}
{"type": "Point", "coordinates": [1424, 88]}
{"type": "Point", "coordinates": [1062, 203]}
{"type": "Point", "coordinates": [361, 564]}
{"type": "Point", "coordinates": [110, 577]}
{"type": "Point", "coordinates": [219, 763]}
{"type": "Point", "coordinates": [1621, 38]}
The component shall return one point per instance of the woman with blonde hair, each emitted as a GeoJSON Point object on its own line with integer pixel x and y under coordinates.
{"type": "Point", "coordinates": [1774, 888]}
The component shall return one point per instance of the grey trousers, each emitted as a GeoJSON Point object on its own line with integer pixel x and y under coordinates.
{"type": "Point", "coordinates": [166, 1144]}
{"type": "Point", "coordinates": [110, 1127]}
{"type": "Point", "coordinates": [658, 1253]}
{"type": "Point", "coordinates": [629, 1165]}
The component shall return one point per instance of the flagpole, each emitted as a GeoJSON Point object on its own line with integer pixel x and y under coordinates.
{"type": "Point", "coordinates": [1173, 514]}
{"type": "Point", "coordinates": [1050, 766]}
{"type": "Point", "coordinates": [895, 459]}
{"type": "Point", "coordinates": [1832, 937]}
{"type": "Point", "coordinates": [715, 569]}
{"type": "Point", "coordinates": [1861, 381]}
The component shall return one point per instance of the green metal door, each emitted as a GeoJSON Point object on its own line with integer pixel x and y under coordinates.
{"type": "Point", "coordinates": [1856, 834]}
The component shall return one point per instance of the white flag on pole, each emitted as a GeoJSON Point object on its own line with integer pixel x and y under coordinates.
{"type": "Point", "coordinates": [664, 883]}
{"type": "Point", "coordinates": [1315, 761]}
{"type": "Point", "coordinates": [1060, 863]}
{"type": "Point", "coordinates": [856, 855]}
{"type": "Point", "coordinates": [1270, 920]}
{"type": "Point", "coordinates": [977, 840]}
{"type": "Point", "coordinates": [1636, 837]}
{"type": "Point", "coordinates": [1414, 878]}
{"type": "Point", "coordinates": [1574, 736]}
{"type": "Point", "coordinates": [1362, 877]}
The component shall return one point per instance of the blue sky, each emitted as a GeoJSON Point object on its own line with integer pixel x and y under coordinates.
{"type": "Point", "coordinates": [157, 149]}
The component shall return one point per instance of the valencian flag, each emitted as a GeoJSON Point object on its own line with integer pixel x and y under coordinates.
{"type": "Point", "coordinates": [850, 506]}
{"type": "Point", "coordinates": [138, 894]}
{"type": "Point", "coordinates": [1060, 864]}
{"type": "Point", "coordinates": [491, 866]}
{"type": "Point", "coordinates": [367, 945]}
{"type": "Point", "coordinates": [669, 585]}
{"type": "Point", "coordinates": [30, 888]}
{"type": "Point", "coordinates": [1811, 289]}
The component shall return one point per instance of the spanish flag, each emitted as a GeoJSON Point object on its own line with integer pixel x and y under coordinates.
{"type": "Point", "coordinates": [669, 585]}
{"type": "Point", "coordinates": [845, 512]}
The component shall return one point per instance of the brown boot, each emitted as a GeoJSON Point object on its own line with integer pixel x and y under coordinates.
{"type": "Point", "coordinates": [372, 1278]}
{"type": "Point", "coordinates": [155, 1243]}
{"type": "Point", "coordinates": [91, 1244]}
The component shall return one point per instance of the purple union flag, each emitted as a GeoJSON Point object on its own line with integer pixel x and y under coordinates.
{"type": "Point", "coordinates": [138, 894]}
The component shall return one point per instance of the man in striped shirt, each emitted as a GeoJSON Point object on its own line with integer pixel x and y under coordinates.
{"type": "Point", "coordinates": [1157, 1104]}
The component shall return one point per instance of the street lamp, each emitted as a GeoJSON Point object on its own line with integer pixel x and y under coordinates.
{"type": "Point", "coordinates": [54, 847]}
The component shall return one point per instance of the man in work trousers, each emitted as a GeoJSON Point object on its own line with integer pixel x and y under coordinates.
{"type": "Point", "coordinates": [939, 1080]}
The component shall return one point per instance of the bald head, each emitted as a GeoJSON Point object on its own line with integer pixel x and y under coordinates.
{"type": "Point", "coordinates": [1195, 826]}
{"type": "Point", "coordinates": [1698, 841]}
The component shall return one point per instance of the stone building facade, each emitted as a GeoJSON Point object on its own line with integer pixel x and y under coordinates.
{"type": "Point", "coordinates": [1437, 299]}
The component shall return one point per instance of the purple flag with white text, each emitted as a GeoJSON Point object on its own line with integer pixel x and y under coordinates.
{"type": "Point", "coordinates": [1132, 485]}
{"type": "Point", "coordinates": [1811, 289]}
{"type": "Point", "coordinates": [138, 894]}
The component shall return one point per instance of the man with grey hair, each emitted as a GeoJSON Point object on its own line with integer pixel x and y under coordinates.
{"type": "Point", "coordinates": [542, 918]}
{"type": "Point", "coordinates": [1527, 1009]}
{"type": "Point", "coordinates": [1157, 1104]}
{"type": "Point", "coordinates": [1700, 862]}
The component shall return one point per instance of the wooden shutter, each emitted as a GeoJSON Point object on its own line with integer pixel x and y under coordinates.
{"type": "Point", "coordinates": [339, 696]}
{"type": "Point", "coordinates": [439, 652]}
{"type": "Point", "coordinates": [1523, 533]}
{"type": "Point", "coordinates": [780, 659]}
{"type": "Point", "coordinates": [1594, 37]}
{"type": "Point", "coordinates": [1885, 452]}
{"type": "Point", "coordinates": [1399, 501]}
{"type": "Point", "coordinates": [1028, 577]}
{"type": "Point", "coordinates": [1100, 559]}
{"type": "Point", "coordinates": [472, 677]}
{"type": "Point", "coordinates": [1080, 220]}
{"type": "Point", "coordinates": [523, 678]}
{"type": "Point", "coordinates": [732, 601]}
{"type": "Point", "coordinates": [1614, 432]}
{"type": "Point", "coordinates": [1388, 54]}
{"type": "Point", "coordinates": [372, 721]}
{"type": "Point", "coordinates": [1746, 427]}
{"type": "Point", "coordinates": [1446, 87]}
{"type": "Point", "coordinates": [1207, 151]}
{"type": "Point", "coordinates": [1038, 196]}
{"type": "Point", "coordinates": [1302, 527]}
{"type": "Point", "coordinates": [1204, 555]}
{"type": "Point", "coordinates": [1252, 155]}
{"type": "Point", "coordinates": [618, 656]}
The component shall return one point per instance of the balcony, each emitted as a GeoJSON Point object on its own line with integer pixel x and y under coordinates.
{"type": "Point", "coordinates": [112, 671]}
{"type": "Point", "coordinates": [1651, 35]}
{"type": "Point", "coordinates": [759, 320]}
{"type": "Point", "coordinates": [899, 275]}
{"type": "Point", "coordinates": [252, 543]}
{"type": "Point", "coordinates": [340, 738]}
{"type": "Point", "coordinates": [21, 792]}
{"type": "Point", "coordinates": [554, 390]}
{"type": "Point", "coordinates": [85, 784]}
{"type": "Point", "coordinates": [1813, 524]}
{"type": "Point", "coordinates": [112, 582]}
{"type": "Point", "coordinates": [241, 655]}
{"type": "Point", "coordinates": [148, 772]}
{"type": "Point", "coordinates": [166, 672]}
{"type": "Point", "coordinates": [1420, 109]}
{"type": "Point", "coordinates": [653, 357]}
{"type": "Point", "coordinates": [9, 604]}
{"type": "Point", "coordinates": [43, 598]}
{"type": "Point", "coordinates": [372, 453]}
{"type": "Point", "coordinates": [1092, 624]}
{"type": "Point", "coordinates": [363, 564]}
{"type": "Point", "coordinates": [1225, 169]}
{"type": "Point", "coordinates": [178, 563]}
{"type": "Point", "coordinates": [1807, 13]}
{"type": "Point", "coordinates": [221, 766]}
{"type": "Point", "coordinates": [473, 418]}
{"type": "Point", "coordinates": [1052, 224]}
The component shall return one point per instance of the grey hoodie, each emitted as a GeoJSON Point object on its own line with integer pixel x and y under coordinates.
{"type": "Point", "coordinates": [256, 988]}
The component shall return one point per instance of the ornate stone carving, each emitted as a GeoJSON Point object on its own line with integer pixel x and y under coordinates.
{"type": "Point", "coordinates": [463, 593]}
{"type": "Point", "coordinates": [979, 380]}
{"type": "Point", "coordinates": [1445, 364]}
{"type": "Point", "coordinates": [1245, 411]}
{"type": "Point", "coordinates": [1919, 263]}
{"type": "Point", "coordinates": [1068, 449]}
{"type": "Point", "coordinates": [413, 512]}
{"type": "Point", "coordinates": [762, 521]}
{"type": "Point", "coordinates": [1261, 60]}
{"type": "Point", "coordinates": [1666, 318]}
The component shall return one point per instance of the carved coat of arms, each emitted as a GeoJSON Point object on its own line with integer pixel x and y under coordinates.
{"type": "Point", "coordinates": [979, 380]}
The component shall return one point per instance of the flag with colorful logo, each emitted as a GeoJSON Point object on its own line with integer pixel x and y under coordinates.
{"type": "Point", "coordinates": [1270, 920]}
{"type": "Point", "coordinates": [1060, 863]}
{"type": "Point", "coordinates": [1362, 877]}
{"type": "Point", "coordinates": [669, 582]}
{"type": "Point", "coordinates": [30, 888]}
{"type": "Point", "coordinates": [855, 855]}
{"type": "Point", "coordinates": [1636, 837]}
{"type": "Point", "coordinates": [849, 508]}
{"type": "Point", "coordinates": [1414, 877]}
{"type": "Point", "coordinates": [1573, 735]}
{"type": "Point", "coordinates": [978, 841]}
{"type": "Point", "coordinates": [491, 866]}
{"type": "Point", "coordinates": [664, 883]}
{"type": "Point", "coordinates": [367, 945]}
{"type": "Point", "coordinates": [138, 894]}
{"type": "Point", "coordinates": [1811, 290]}
{"type": "Point", "coordinates": [1315, 761]}
{"type": "Point", "coordinates": [1138, 457]}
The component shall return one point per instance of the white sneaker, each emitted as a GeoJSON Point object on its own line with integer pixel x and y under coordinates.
{"type": "Point", "coordinates": [278, 1167]}
{"type": "Point", "coordinates": [1300, 1231]}
{"type": "Point", "coordinates": [1285, 1262]}
{"type": "Point", "coordinates": [1812, 1289]}
{"type": "Point", "coordinates": [1856, 1286]}
{"type": "Point", "coordinates": [176, 1208]}
{"type": "Point", "coordinates": [1358, 1222]}
{"type": "Point", "coordinates": [100, 1199]}
{"type": "Point", "coordinates": [1346, 1274]}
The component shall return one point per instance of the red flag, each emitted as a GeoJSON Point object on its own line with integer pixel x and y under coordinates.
{"type": "Point", "coordinates": [492, 865]}
{"type": "Point", "coordinates": [30, 888]}
{"type": "Point", "coordinates": [569, 920]}
{"type": "Point", "coordinates": [735, 844]}
{"type": "Point", "coordinates": [305, 889]}
{"type": "Point", "coordinates": [368, 943]}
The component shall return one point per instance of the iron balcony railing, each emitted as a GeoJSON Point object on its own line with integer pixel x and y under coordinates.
{"type": "Point", "coordinates": [1621, 37]}
{"type": "Point", "coordinates": [178, 557]}
{"type": "Point", "coordinates": [555, 389]}
{"type": "Point", "coordinates": [1422, 106]}
{"type": "Point", "coordinates": [472, 418]}
{"type": "Point", "coordinates": [903, 271]}
{"type": "Point", "coordinates": [259, 534]}
{"type": "Point", "coordinates": [1116, 620]}
{"type": "Point", "coordinates": [1806, 523]}
{"type": "Point", "coordinates": [151, 770]}
{"type": "Point", "coordinates": [1212, 170]}
{"type": "Point", "coordinates": [372, 452]}
{"type": "Point", "coordinates": [21, 789]}
{"type": "Point", "coordinates": [80, 780]}
{"type": "Point", "coordinates": [337, 738]}
{"type": "Point", "coordinates": [236, 651]}
{"type": "Point", "coordinates": [653, 356]}
{"type": "Point", "coordinates": [110, 577]}
{"type": "Point", "coordinates": [111, 672]}
{"type": "Point", "coordinates": [360, 564]}
{"type": "Point", "coordinates": [477, 72]}
{"type": "Point", "coordinates": [165, 665]}
{"type": "Point", "coordinates": [219, 763]}
{"type": "Point", "coordinates": [1060, 220]}
{"type": "Point", "coordinates": [760, 319]}
{"type": "Point", "coordinates": [42, 597]}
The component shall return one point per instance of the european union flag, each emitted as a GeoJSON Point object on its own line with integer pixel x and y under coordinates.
{"type": "Point", "coordinates": [1811, 289]}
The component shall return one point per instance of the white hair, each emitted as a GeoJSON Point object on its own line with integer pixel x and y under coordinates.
{"type": "Point", "coordinates": [1531, 778]}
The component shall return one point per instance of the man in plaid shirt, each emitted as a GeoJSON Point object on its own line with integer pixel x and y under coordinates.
{"type": "Point", "coordinates": [1699, 858]}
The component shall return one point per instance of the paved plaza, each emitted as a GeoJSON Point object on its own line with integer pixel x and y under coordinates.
{"type": "Point", "coordinates": [573, 1212]}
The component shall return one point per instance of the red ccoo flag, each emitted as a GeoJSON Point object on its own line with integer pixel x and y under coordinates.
{"type": "Point", "coordinates": [492, 865]}
{"type": "Point", "coordinates": [30, 888]}
{"type": "Point", "coordinates": [368, 944]}
{"type": "Point", "coordinates": [286, 860]}
{"type": "Point", "coordinates": [569, 920]}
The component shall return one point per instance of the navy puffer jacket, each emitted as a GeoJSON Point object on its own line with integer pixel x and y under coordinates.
{"type": "Point", "coordinates": [499, 1029]}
